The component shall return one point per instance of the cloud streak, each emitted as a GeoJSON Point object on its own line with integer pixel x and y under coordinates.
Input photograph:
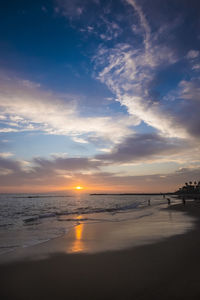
{"type": "Point", "coordinates": [25, 106]}
{"type": "Point", "coordinates": [65, 173]}
{"type": "Point", "coordinates": [130, 70]}
{"type": "Point", "coordinates": [144, 147]}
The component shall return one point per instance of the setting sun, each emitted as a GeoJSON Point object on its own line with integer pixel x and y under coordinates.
{"type": "Point", "coordinates": [78, 187]}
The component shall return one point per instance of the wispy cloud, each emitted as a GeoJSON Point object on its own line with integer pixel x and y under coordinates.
{"type": "Point", "coordinates": [144, 24]}
{"type": "Point", "coordinates": [69, 8]}
{"type": "Point", "coordinates": [193, 54]}
{"type": "Point", "coordinates": [94, 18]}
{"type": "Point", "coordinates": [5, 154]}
{"type": "Point", "coordinates": [129, 71]}
{"type": "Point", "coordinates": [25, 106]}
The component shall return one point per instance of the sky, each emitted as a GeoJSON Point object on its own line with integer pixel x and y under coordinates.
{"type": "Point", "coordinates": [99, 94]}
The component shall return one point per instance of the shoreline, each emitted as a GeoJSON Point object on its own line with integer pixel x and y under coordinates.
{"type": "Point", "coordinates": [166, 269]}
{"type": "Point", "coordinates": [128, 231]}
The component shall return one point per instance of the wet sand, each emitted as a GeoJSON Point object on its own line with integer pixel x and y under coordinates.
{"type": "Point", "coordinates": [169, 269]}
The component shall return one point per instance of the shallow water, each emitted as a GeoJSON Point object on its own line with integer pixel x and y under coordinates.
{"type": "Point", "coordinates": [27, 220]}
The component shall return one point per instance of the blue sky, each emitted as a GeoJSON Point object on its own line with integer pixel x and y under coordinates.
{"type": "Point", "coordinates": [95, 92]}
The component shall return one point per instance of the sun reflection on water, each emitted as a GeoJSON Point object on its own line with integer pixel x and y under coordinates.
{"type": "Point", "coordinates": [79, 231]}
{"type": "Point", "coordinates": [78, 245]}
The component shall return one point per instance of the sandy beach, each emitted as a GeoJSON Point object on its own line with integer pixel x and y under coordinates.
{"type": "Point", "coordinates": [168, 269]}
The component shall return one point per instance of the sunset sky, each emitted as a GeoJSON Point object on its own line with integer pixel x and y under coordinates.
{"type": "Point", "coordinates": [99, 94]}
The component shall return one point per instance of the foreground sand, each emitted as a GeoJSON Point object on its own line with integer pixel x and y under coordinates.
{"type": "Point", "coordinates": [166, 270]}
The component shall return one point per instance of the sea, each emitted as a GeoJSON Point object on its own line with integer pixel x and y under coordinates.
{"type": "Point", "coordinates": [30, 219]}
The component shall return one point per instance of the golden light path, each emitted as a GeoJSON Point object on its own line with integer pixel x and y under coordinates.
{"type": "Point", "coordinates": [78, 244]}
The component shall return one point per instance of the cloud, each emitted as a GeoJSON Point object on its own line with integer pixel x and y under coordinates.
{"type": "Point", "coordinates": [5, 154]}
{"type": "Point", "coordinates": [25, 106]}
{"type": "Point", "coordinates": [43, 173]}
{"type": "Point", "coordinates": [66, 164]}
{"type": "Point", "coordinates": [59, 173]}
{"type": "Point", "coordinates": [143, 22]}
{"type": "Point", "coordinates": [190, 90]}
{"type": "Point", "coordinates": [128, 73]}
{"type": "Point", "coordinates": [189, 106]}
{"type": "Point", "coordinates": [131, 69]}
{"type": "Point", "coordinates": [144, 147]}
{"type": "Point", "coordinates": [145, 183]}
{"type": "Point", "coordinates": [79, 140]}
{"type": "Point", "coordinates": [111, 30]}
{"type": "Point", "coordinates": [9, 164]}
{"type": "Point", "coordinates": [7, 130]}
{"type": "Point", "coordinates": [94, 18]}
{"type": "Point", "coordinates": [196, 67]}
{"type": "Point", "coordinates": [74, 9]}
{"type": "Point", "coordinates": [70, 8]}
{"type": "Point", "coordinates": [192, 54]}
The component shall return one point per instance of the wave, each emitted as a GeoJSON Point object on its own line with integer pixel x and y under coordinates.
{"type": "Point", "coordinates": [5, 225]}
{"type": "Point", "coordinates": [41, 196]}
{"type": "Point", "coordinates": [82, 211]}
{"type": "Point", "coordinates": [79, 220]}
{"type": "Point", "coordinates": [31, 219]}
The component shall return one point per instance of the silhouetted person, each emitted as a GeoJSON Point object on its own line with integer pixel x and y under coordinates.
{"type": "Point", "coordinates": [149, 202]}
{"type": "Point", "coordinates": [168, 201]}
{"type": "Point", "coordinates": [183, 200]}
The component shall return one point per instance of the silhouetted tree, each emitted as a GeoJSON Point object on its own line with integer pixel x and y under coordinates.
{"type": "Point", "coordinates": [190, 188]}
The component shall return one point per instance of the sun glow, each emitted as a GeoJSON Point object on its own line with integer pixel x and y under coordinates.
{"type": "Point", "coordinates": [78, 187]}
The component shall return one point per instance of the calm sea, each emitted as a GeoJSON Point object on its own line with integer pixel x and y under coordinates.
{"type": "Point", "coordinates": [29, 219]}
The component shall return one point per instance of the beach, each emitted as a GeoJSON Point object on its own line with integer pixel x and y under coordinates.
{"type": "Point", "coordinates": [167, 269]}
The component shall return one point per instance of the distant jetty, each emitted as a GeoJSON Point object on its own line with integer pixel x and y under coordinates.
{"type": "Point", "coordinates": [132, 194]}
{"type": "Point", "coordinates": [189, 190]}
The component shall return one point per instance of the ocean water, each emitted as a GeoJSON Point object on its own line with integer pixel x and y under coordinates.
{"type": "Point", "coordinates": [30, 219]}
